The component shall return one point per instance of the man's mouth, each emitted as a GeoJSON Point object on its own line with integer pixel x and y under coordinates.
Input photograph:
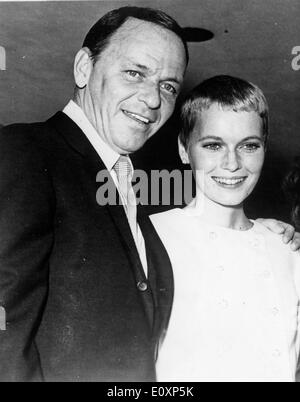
{"type": "Point", "coordinates": [229, 182]}
{"type": "Point", "coordinates": [137, 117]}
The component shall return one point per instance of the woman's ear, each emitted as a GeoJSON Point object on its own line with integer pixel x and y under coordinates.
{"type": "Point", "coordinates": [83, 66]}
{"type": "Point", "coordinates": [183, 153]}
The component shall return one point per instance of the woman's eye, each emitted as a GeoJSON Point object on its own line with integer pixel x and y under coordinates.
{"type": "Point", "coordinates": [213, 147]}
{"type": "Point", "coordinates": [251, 147]}
{"type": "Point", "coordinates": [169, 88]}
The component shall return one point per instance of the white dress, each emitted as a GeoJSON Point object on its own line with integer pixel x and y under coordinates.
{"type": "Point", "coordinates": [236, 314]}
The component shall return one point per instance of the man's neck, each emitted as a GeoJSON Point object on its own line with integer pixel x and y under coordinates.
{"type": "Point", "coordinates": [81, 102]}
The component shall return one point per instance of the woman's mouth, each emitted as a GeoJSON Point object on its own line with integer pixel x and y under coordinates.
{"type": "Point", "coordinates": [232, 182]}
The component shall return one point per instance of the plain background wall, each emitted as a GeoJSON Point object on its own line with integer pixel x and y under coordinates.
{"type": "Point", "coordinates": [253, 39]}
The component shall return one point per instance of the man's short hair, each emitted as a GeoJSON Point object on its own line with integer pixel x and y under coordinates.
{"type": "Point", "coordinates": [229, 93]}
{"type": "Point", "coordinates": [100, 34]}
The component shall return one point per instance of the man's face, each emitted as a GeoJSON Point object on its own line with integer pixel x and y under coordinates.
{"type": "Point", "coordinates": [133, 86]}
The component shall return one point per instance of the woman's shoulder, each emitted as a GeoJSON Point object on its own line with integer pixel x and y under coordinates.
{"type": "Point", "coordinates": [270, 236]}
{"type": "Point", "coordinates": [281, 254]}
{"type": "Point", "coordinates": [167, 218]}
{"type": "Point", "coordinates": [171, 227]}
{"type": "Point", "coordinates": [274, 240]}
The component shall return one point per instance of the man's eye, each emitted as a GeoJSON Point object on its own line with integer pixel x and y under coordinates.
{"type": "Point", "coordinates": [213, 147]}
{"type": "Point", "coordinates": [251, 147]}
{"type": "Point", "coordinates": [169, 88]}
{"type": "Point", "coordinates": [133, 74]}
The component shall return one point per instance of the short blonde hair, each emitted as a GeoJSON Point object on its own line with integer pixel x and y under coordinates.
{"type": "Point", "coordinates": [228, 92]}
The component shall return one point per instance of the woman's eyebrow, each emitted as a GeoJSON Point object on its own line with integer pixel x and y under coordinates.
{"type": "Point", "coordinates": [211, 137]}
{"type": "Point", "coordinates": [253, 137]}
{"type": "Point", "coordinates": [215, 138]}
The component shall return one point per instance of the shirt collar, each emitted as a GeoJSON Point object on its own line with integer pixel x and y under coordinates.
{"type": "Point", "coordinates": [105, 152]}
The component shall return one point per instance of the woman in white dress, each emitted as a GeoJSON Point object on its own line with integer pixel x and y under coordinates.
{"type": "Point", "coordinates": [236, 314]}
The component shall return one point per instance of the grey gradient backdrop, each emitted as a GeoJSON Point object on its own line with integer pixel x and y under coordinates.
{"type": "Point", "coordinates": [253, 39]}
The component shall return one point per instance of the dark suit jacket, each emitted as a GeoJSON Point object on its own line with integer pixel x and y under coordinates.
{"type": "Point", "coordinates": [69, 268]}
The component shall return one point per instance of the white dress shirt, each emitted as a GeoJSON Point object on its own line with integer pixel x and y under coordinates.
{"type": "Point", "coordinates": [236, 306]}
{"type": "Point", "coordinates": [109, 158]}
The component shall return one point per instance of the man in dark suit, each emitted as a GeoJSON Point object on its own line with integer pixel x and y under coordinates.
{"type": "Point", "coordinates": [86, 289]}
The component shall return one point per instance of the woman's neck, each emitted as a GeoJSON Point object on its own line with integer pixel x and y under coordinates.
{"type": "Point", "coordinates": [232, 217]}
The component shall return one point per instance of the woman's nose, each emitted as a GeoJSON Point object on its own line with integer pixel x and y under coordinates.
{"type": "Point", "coordinates": [231, 161]}
{"type": "Point", "coordinates": [150, 95]}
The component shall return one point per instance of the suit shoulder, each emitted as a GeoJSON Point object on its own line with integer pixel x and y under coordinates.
{"type": "Point", "coordinates": [25, 139]}
{"type": "Point", "coordinates": [23, 148]}
{"type": "Point", "coordinates": [22, 133]}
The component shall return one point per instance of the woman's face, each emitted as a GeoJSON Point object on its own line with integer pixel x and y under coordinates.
{"type": "Point", "coordinates": [227, 151]}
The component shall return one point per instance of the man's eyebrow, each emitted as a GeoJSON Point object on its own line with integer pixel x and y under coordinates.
{"type": "Point", "coordinates": [141, 66]}
{"type": "Point", "coordinates": [174, 79]}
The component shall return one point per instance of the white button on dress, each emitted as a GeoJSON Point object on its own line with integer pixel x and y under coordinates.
{"type": "Point", "coordinates": [213, 236]}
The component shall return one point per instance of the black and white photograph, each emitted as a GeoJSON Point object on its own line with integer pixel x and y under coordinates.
{"type": "Point", "coordinates": [150, 193]}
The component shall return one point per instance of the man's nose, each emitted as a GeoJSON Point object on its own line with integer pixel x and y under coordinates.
{"type": "Point", "coordinates": [150, 95]}
{"type": "Point", "coordinates": [231, 161]}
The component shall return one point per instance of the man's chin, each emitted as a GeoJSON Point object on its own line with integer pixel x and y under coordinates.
{"type": "Point", "coordinates": [133, 147]}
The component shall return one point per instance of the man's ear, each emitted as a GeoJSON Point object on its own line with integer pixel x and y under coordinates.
{"type": "Point", "coordinates": [183, 153]}
{"type": "Point", "coordinates": [83, 66]}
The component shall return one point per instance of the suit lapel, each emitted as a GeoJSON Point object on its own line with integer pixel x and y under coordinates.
{"type": "Point", "coordinates": [160, 274]}
{"type": "Point", "coordinates": [79, 142]}
{"type": "Point", "coordinates": [121, 223]}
